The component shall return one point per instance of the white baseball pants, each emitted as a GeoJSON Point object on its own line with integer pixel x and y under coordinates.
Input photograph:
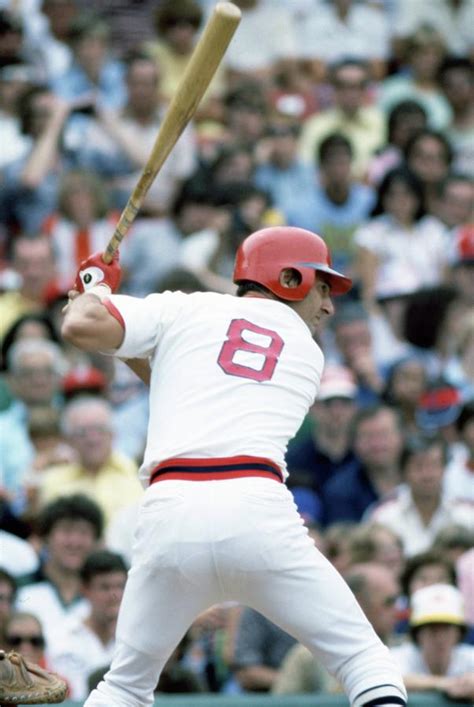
{"type": "Point", "coordinates": [205, 542]}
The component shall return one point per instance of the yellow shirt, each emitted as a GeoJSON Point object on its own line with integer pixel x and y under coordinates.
{"type": "Point", "coordinates": [366, 131]}
{"type": "Point", "coordinates": [114, 486]}
{"type": "Point", "coordinates": [172, 66]}
{"type": "Point", "coordinates": [14, 305]}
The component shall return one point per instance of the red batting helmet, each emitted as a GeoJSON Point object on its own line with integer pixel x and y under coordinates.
{"type": "Point", "coordinates": [264, 254]}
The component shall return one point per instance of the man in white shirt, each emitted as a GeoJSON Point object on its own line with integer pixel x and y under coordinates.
{"type": "Point", "coordinates": [80, 646]}
{"type": "Point", "coordinates": [418, 510]}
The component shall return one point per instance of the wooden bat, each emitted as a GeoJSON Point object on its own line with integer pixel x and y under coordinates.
{"type": "Point", "coordinates": [200, 69]}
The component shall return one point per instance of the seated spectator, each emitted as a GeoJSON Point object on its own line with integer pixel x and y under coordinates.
{"type": "Point", "coordinates": [453, 541]}
{"type": "Point", "coordinates": [81, 645]}
{"type": "Point", "coordinates": [418, 510]}
{"type": "Point", "coordinates": [282, 173]}
{"type": "Point", "coordinates": [363, 125]}
{"type": "Point", "coordinates": [401, 249]}
{"type": "Point", "coordinates": [404, 120]}
{"type": "Point", "coordinates": [418, 78]}
{"type": "Point", "coordinates": [301, 673]}
{"type": "Point", "coordinates": [337, 538]}
{"type": "Point", "coordinates": [14, 80]}
{"type": "Point", "coordinates": [456, 77]}
{"type": "Point", "coordinates": [30, 183]}
{"type": "Point", "coordinates": [24, 635]}
{"type": "Point", "coordinates": [35, 325]}
{"type": "Point", "coordinates": [246, 115]}
{"type": "Point", "coordinates": [461, 264]}
{"type": "Point", "coordinates": [429, 155]}
{"type": "Point", "coordinates": [377, 443]}
{"type": "Point", "coordinates": [435, 658]}
{"type": "Point", "coordinates": [32, 260]}
{"type": "Point", "coordinates": [406, 381]}
{"type": "Point", "coordinates": [458, 479]}
{"type": "Point", "coordinates": [337, 203]}
{"type": "Point", "coordinates": [8, 588]}
{"type": "Point", "coordinates": [455, 207]}
{"type": "Point", "coordinates": [99, 472]}
{"type": "Point", "coordinates": [93, 70]}
{"type": "Point", "coordinates": [315, 458]}
{"type": "Point", "coordinates": [177, 24]}
{"type": "Point", "coordinates": [116, 144]}
{"type": "Point", "coordinates": [374, 542]}
{"type": "Point", "coordinates": [260, 647]}
{"type": "Point", "coordinates": [465, 571]}
{"type": "Point", "coordinates": [35, 368]}
{"type": "Point", "coordinates": [82, 224]}
{"type": "Point", "coordinates": [69, 529]}
{"type": "Point", "coordinates": [458, 370]}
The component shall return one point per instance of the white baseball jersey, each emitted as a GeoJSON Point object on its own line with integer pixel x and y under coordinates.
{"type": "Point", "coordinates": [210, 353]}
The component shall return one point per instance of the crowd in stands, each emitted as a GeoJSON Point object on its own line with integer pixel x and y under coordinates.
{"type": "Point", "coordinates": [351, 118]}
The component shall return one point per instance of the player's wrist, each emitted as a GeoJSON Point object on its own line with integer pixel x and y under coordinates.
{"type": "Point", "coordinates": [101, 291]}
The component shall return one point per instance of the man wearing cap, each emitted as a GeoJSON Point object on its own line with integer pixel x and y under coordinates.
{"type": "Point", "coordinates": [315, 458]}
{"type": "Point", "coordinates": [435, 658]}
{"type": "Point", "coordinates": [418, 510]}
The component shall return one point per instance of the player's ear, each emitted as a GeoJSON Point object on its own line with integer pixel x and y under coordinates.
{"type": "Point", "coordinates": [290, 278]}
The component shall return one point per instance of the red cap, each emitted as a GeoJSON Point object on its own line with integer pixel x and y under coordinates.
{"type": "Point", "coordinates": [85, 378]}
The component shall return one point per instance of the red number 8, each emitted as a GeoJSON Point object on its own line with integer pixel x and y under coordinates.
{"type": "Point", "coordinates": [236, 342]}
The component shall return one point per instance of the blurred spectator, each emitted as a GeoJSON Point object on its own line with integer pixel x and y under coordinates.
{"type": "Point", "coordinates": [377, 590]}
{"type": "Point", "coordinates": [337, 537]}
{"type": "Point", "coordinates": [31, 182]}
{"type": "Point", "coordinates": [282, 174]}
{"type": "Point", "coordinates": [99, 472]}
{"type": "Point", "coordinates": [246, 113]}
{"type": "Point", "coordinates": [50, 448]}
{"type": "Point", "coordinates": [454, 20]}
{"type": "Point", "coordinates": [333, 31]}
{"type": "Point", "coordinates": [459, 477]}
{"type": "Point", "coordinates": [253, 52]}
{"type": "Point", "coordinates": [426, 568]}
{"type": "Point", "coordinates": [24, 635]}
{"type": "Point", "coordinates": [34, 325]}
{"type": "Point", "coordinates": [406, 381]}
{"type": "Point", "coordinates": [83, 644]}
{"type": "Point", "coordinates": [429, 155]}
{"type": "Point", "coordinates": [377, 443]}
{"type": "Point", "coordinates": [129, 23]}
{"type": "Point", "coordinates": [419, 510]}
{"type": "Point", "coordinates": [438, 409]}
{"type": "Point", "coordinates": [301, 673]}
{"type": "Point", "coordinates": [459, 368]}
{"type": "Point", "coordinates": [418, 78]}
{"type": "Point", "coordinates": [375, 542]}
{"type": "Point", "coordinates": [404, 120]}
{"type": "Point", "coordinates": [455, 206]}
{"type": "Point", "coordinates": [32, 260]}
{"type": "Point", "coordinates": [337, 204]}
{"type": "Point", "coordinates": [69, 529]}
{"type": "Point", "coordinates": [14, 79]}
{"type": "Point", "coordinates": [456, 76]}
{"type": "Point", "coordinates": [435, 659]}
{"type": "Point", "coordinates": [362, 124]}
{"type": "Point", "coordinates": [401, 249]}
{"type": "Point", "coordinates": [315, 458]}
{"type": "Point", "coordinates": [93, 70]}
{"type": "Point", "coordinates": [82, 223]}
{"type": "Point", "coordinates": [47, 36]}
{"type": "Point", "coordinates": [259, 650]}
{"type": "Point", "coordinates": [128, 397]}
{"type": "Point", "coordinates": [177, 24]}
{"type": "Point", "coordinates": [35, 369]}
{"type": "Point", "coordinates": [453, 541]}
{"type": "Point", "coordinates": [357, 346]}
{"type": "Point", "coordinates": [116, 145]}
{"type": "Point", "coordinates": [8, 589]}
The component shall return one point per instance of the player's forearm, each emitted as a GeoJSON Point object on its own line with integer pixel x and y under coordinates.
{"type": "Point", "coordinates": [89, 326]}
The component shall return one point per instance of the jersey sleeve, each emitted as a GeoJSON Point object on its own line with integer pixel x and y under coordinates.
{"type": "Point", "coordinates": [143, 321]}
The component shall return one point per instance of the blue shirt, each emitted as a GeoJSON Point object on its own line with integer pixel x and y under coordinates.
{"type": "Point", "coordinates": [346, 496]}
{"type": "Point", "coordinates": [283, 184]}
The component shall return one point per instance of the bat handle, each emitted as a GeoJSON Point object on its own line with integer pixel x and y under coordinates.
{"type": "Point", "coordinates": [123, 226]}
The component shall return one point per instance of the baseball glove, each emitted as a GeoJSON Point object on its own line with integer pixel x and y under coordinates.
{"type": "Point", "coordinates": [24, 683]}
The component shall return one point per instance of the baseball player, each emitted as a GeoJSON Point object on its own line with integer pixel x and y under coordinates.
{"type": "Point", "coordinates": [232, 378]}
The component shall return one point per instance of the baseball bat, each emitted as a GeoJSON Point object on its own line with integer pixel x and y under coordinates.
{"type": "Point", "coordinates": [200, 69]}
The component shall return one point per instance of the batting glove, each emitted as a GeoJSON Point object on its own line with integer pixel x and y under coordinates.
{"type": "Point", "coordinates": [95, 273]}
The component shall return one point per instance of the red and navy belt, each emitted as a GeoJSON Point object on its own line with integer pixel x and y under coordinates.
{"type": "Point", "coordinates": [239, 467]}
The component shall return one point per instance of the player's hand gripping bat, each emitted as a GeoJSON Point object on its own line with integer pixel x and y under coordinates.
{"type": "Point", "coordinates": [199, 72]}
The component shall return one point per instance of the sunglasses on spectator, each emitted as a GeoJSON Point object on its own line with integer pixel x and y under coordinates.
{"type": "Point", "coordinates": [351, 84]}
{"type": "Point", "coordinates": [36, 641]}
